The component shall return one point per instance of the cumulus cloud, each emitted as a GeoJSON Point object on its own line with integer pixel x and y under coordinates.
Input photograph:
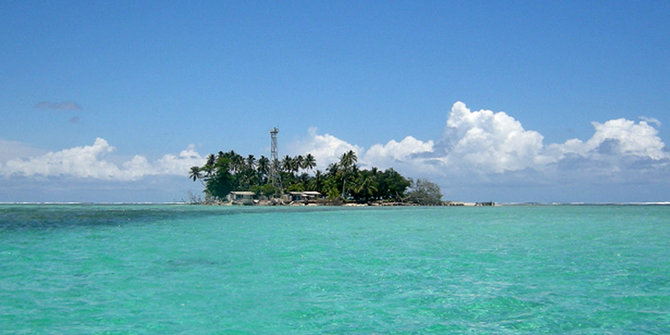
{"type": "Point", "coordinates": [483, 144]}
{"type": "Point", "coordinates": [394, 151]}
{"type": "Point", "coordinates": [64, 106]}
{"type": "Point", "coordinates": [489, 142]}
{"type": "Point", "coordinates": [91, 161]}
{"type": "Point", "coordinates": [176, 164]}
{"type": "Point", "coordinates": [614, 143]}
{"type": "Point", "coordinates": [410, 154]}
{"type": "Point", "coordinates": [478, 149]}
{"type": "Point", "coordinates": [325, 148]}
{"type": "Point", "coordinates": [629, 139]}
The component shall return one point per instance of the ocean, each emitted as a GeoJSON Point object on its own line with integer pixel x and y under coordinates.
{"type": "Point", "coordinates": [180, 269]}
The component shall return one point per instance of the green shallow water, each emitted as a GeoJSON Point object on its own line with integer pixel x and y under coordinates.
{"type": "Point", "coordinates": [82, 269]}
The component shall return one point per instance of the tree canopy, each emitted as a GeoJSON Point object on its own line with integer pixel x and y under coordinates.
{"type": "Point", "coordinates": [229, 171]}
{"type": "Point", "coordinates": [425, 193]}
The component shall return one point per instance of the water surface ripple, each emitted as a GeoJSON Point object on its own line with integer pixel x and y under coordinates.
{"type": "Point", "coordinates": [82, 269]}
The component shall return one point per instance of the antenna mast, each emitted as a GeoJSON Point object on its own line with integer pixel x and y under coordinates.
{"type": "Point", "coordinates": [275, 179]}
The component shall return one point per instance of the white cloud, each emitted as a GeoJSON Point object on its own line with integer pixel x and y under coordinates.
{"type": "Point", "coordinates": [490, 142]}
{"type": "Point", "coordinates": [90, 162]}
{"type": "Point", "coordinates": [630, 139]}
{"type": "Point", "coordinates": [398, 151]}
{"type": "Point", "coordinates": [176, 165]}
{"type": "Point", "coordinates": [613, 142]}
{"type": "Point", "coordinates": [79, 161]}
{"type": "Point", "coordinates": [326, 148]}
{"type": "Point", "coordinates": [478, 150]}
{"type": "Point", "coordinates": [408, 154]}
{"type": "Point", "coordinates": [483, 144]}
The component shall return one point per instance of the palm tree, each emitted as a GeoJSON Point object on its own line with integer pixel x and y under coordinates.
{"type": "Point", "coordinates": [251, 162]}
{"type": "Point", "coordinates": [295, 164]}
{"type": "Point", "coordinates": [299, 163]}
{"type": "Point", "coordinates": [365, 186]}
{"type": "Point", "coordinates": [316, 183]}
{"type": "Point", "coordinates": [236, 161]}
{"type": "Point", "coordinates": [310, 162]}
{"type": "Point", "coordinates": [348, 159]}
{"type": "Point", "coordinates": [332, 169]}
{"type": "Point", "coordinates": [347, 164]}
{"type": "Point", "coordinates": [195, 173]}
{"type": "Point", "coordinates": [263, 167]}
{"type": "Point", "coordinates": [209, 166]}
{"type": "Point", "coordinates": [211, 159]}
{"type": "Point", "coordinates": [287, 164]}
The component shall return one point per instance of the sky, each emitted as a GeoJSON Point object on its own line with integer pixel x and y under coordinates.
{"type": "Point", "coordinates": [513, 101]}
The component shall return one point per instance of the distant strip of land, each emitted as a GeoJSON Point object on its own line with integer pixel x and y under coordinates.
{"type": "Point", "coordinates": [230, 178]}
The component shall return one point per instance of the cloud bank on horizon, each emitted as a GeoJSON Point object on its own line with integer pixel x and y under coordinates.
{"type": "Point", "coordinates": [91, 162]}
{"type": "Point", "coordinates": [481, 145]}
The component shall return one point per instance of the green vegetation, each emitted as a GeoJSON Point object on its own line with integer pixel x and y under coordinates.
{"type": "Point", "coordinates": [342, 181]}
{"type": "Point", "coordinates": [424, 192]}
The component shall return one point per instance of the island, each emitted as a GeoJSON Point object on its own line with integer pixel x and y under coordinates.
{"type": "Point", "coordinates": [229, 178]}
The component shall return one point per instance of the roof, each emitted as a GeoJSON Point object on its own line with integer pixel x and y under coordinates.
{"type": "Point", "coordinates": [305, 193]}
{"type": "Point", "coordinates": [242, 193]}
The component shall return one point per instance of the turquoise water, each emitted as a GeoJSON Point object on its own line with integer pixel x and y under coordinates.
{"type": "Point", "coordinates": [82, 269]}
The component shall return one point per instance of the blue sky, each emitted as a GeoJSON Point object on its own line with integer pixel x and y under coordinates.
{"type": "Point", "coordinates": [505, 101]}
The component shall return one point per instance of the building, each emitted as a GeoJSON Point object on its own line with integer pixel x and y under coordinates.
{"type": "Point", "coordinates": [303, 196]}
{"type": "Point", "coordinates": [241, 197]}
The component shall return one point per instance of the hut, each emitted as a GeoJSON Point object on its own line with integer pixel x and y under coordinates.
{"type": "Point", "coordinates": [241, 197]}
{"type": "Point", "coordinates": [303, 196]}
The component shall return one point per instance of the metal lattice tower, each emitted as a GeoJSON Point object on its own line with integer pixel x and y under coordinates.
{"type": "Point", "coordinates": [275, 179]}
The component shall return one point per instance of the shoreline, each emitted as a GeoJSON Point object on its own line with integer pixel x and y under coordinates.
{"type": "Point", "coordinates": [315, 203]}
{"type": "Point", "coordinates": [448, 204]}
